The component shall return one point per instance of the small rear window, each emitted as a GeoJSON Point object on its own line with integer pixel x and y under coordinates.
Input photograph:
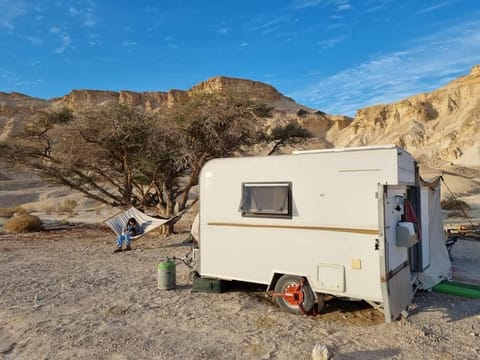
{"type": "Point", "coordinates": [267, 200]}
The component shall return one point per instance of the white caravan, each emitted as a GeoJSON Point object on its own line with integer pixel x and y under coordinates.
{"type": "Point", "coordinates": [343, 222]}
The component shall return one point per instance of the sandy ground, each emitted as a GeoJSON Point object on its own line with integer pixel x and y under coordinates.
{"type": "Point", "coordinates": [65, 295]}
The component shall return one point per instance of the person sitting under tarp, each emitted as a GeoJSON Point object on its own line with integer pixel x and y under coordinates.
{"type": "Point", "coordinates": [132, 228]}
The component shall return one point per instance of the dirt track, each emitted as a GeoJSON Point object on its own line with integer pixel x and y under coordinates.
{"type": "Point", "coordinates": [64, 295]}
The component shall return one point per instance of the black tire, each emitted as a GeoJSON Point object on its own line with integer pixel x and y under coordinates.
{"type": "Point", "coordinates": [320, 302]}
{"type": "Point", "coordinates": [287, 281]}
{"type": "Point", "coordinates": [192, 275]}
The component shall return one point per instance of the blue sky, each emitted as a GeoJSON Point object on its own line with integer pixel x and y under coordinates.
{"type": "Point", "coordinates": [332, 55]}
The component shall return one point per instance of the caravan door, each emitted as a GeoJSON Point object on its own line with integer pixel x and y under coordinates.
{"type": "Point", "coordinates": [397, 292]}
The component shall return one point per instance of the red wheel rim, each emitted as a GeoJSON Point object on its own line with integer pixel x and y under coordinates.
{"type": "Point", "coordinates": [293, 294]}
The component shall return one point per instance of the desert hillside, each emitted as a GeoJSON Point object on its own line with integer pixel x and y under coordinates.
{"type": "Point", "coordinates": [439, 128]}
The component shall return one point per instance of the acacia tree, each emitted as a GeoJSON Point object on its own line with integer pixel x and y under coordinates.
{"type": "Point", "coordinates": [289, 134]}
{"type": "Point", "coordinates": [216, 125]}
{"type": "Point", "coordinates": [92, 152]}
{"type": "Point", "coordinates": [204, 126]}
{"type": "Point", "coordinates": [124, 156]}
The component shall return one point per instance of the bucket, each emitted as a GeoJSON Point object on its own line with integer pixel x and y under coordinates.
{"type": "Point", "coordinates": [166, 274]}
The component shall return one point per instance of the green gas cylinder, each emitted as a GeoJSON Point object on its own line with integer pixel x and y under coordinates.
{"type": "Point", "coordinates": [166, 274]}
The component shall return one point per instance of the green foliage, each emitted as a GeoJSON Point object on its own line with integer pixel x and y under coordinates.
{"type": "Point", "coordinates": [291, 133]}
{"type": "Point", "coordinates": [24, 223]}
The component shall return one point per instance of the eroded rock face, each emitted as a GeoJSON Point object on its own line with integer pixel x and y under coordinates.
{"type": "Point", "coordinates": [440, 126]}
{"type": "Point", "coordinates": [436, 127]}
{"type": "Point", "coordinates": [14, 109]}
{"type": "Point", "coordinates": [285, 109]}
{"type": "Point", "coordinates": [255, 89]}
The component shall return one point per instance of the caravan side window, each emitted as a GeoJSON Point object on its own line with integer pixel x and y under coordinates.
{"type": "Point", "coordinates": [267, 200]}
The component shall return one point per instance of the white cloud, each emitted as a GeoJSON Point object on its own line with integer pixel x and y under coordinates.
{"type": "Point", "coordinates": [223, 31]}
{"type": "Point", "coordinates": [21, 83]}
{"type": "Point", "coordinates": [301, 4]}
{"type": "Point", "coordinates": [55, 30]}
{"type": "Point", "coordinates": [10, 11]}
{"type": "Point", "coordinates": [128, 43]}
{"type": "Point", "coordinates": [329, 43]}
{"type": "Point", "coordinates": [343, 7]}
{"type": "Point", "coordinates": [268, 26]}
{"type": "Point", "coordinates": [339, 5]}
{"type": "Point", "coordinates": [89, 19]}
{"type": "Point", "coordinates": [243, 44]}
{"type": "Point", "coordinates": [432, 8]}
{"type": "Point", "coordinates": [86, 15]}
{"type": "Point", "coordinates": [34, 40]}
{"type": "Point", "coordinates": [93, 39]}
{"type": "Point", "coordinates": [428, 64]}
{"type": "Point", "coordinates": [12, 81]}
{"type": "Point", "coordinates": [376, 5]}
{"type": "Point", "coordinates": [65, 43]}
{"type": "Point", "coordinates": [74, 11]}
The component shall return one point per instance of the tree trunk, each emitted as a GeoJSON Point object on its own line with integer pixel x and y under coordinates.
{"type": "Point", "coordinates": [168, 228]}
{"type": "Point", "coordinates": [275, 147]}
{"type": "Point", "coordinates": [127, 175]}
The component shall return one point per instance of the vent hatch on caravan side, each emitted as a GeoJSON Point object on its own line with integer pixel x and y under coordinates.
{"type": "Point", "coordinates": [331, 277]}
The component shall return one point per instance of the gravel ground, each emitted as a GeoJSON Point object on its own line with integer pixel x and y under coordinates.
{"type": "Point", "coordinates": [65, 295]}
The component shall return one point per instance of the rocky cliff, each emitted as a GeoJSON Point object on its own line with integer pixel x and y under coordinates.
{"type": "Point", "coordinates": [14, 108]}
{"type": "Point", "coordinates": [440, 127]}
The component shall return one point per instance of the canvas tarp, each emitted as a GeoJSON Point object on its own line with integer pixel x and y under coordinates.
{"type": "Point", "coordinates": [440, 265]}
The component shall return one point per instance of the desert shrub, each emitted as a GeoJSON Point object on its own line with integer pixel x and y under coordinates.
{"type": "Point", "coordinates": [9, 212]}
{"type": "Point", "coordinates": [6, 212]}
{"type": "Point", "coordinates": [454, 204]}
{"type": "Point", "coordinates": [24, 223]}
{"type": "Point", "coordinates": [48, 209]}
{"type": "Point", "coordinates": [68, 206]}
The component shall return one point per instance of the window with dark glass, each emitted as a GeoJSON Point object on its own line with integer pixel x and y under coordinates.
{"type": "Point", "coordinates": [267, 200]}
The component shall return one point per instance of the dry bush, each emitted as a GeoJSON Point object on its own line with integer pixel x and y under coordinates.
{"type": "Point", "coordinates": [454, 204]}
{"type": "Point", "coordinates": [9, 212]}
{"type": "Point", "coordinates": [48, 209]}
{"type": "Point", "coordinates": [24, 223]}
{"type": "Point", "coordinates": [6, 212]}
{"type": "Point", "coordinates": [68, 206]}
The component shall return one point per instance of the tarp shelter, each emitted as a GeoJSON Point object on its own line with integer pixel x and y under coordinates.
{"type": "Point", "coordinates": [440, 265]}
{"type": "Point", "coordinates": [148, 223]}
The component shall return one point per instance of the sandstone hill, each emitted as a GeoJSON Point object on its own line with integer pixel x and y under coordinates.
{"type": "Point", "coordinates": [439, 128]}
{"type": "Point", "coordinates": [14, 107]}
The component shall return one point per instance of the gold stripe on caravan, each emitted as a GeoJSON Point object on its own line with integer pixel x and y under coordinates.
{"type": "Point", "coordinates": [357, 170]}
{"type": "Point", "coordinates": [322, 228]}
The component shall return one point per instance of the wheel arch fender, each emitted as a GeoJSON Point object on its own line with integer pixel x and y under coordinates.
{"type": "Point", "coordinates": [276, 275]}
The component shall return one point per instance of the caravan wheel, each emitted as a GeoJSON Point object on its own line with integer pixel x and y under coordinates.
{"type": "Point", "coordinates": [293, 293]}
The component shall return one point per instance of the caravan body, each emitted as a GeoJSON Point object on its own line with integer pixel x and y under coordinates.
{"type": "Point", "coordinates": [334, 217]}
